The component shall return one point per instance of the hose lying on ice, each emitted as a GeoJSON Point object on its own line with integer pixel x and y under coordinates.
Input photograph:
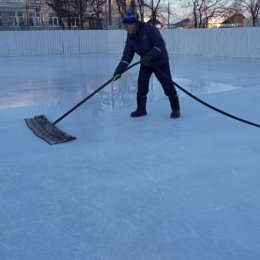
{"type": "Point", "coordinates": [206, 104]}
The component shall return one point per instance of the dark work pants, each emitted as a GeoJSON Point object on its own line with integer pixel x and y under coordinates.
{"type": "Point", "coordinates": [145, 75]}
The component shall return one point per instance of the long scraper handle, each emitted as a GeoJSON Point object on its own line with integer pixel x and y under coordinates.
{"type": "Point", "coordinates": [91, 95]}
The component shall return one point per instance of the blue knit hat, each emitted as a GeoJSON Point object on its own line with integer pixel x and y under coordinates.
{"type": "Point", "coordinates": [129, 17]}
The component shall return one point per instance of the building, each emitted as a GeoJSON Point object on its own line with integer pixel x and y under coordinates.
{"type": "Point", "coordinates": [37, 15]}
{"type": "Point", "coordinates": [226, 20]}
{"type": "Point", "coordinates": [25, 15]}
{"type": "Point", "coordinates": [180, 24]}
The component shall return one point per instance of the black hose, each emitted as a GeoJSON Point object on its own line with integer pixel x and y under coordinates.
{"type": "Point", "coordinates": [206, 104]}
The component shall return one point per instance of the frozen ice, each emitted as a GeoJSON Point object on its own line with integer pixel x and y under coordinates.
{"type": "Point", "coordinates": [138, 189]}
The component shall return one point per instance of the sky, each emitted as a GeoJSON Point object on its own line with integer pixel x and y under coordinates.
{"type": "Point", "coordinates": [129, 188]}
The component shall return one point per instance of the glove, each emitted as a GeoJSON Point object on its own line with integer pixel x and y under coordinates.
{"type": "Point", "coordinates": [117, 74]}
{"type": "Point", "coordinates": [147, 60]}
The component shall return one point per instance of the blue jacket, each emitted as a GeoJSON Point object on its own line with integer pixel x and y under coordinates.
{"type": "Point", "coordinates": [147, 40]}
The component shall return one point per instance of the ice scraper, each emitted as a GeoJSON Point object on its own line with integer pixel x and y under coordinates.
{"type": "Point", "coordinates": [48, 131]}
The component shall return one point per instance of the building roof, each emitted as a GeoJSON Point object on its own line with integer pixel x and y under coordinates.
{"type": "Point", "coordinates": [224, 18]}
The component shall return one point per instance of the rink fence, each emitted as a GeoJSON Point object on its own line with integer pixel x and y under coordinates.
{"type": "Point", "coordinates": [230, 42]}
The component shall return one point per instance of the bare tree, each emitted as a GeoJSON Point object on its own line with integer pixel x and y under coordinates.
{"type": "Point", "coordinates": [94, 11]}
{"type": "Point", "coordinates": [122, 7]}
{"type": "Point", "coordinates": [140, 7]}
{"type": "Point", "coordinates": [59, 7]}
{"type": "Point", "coordinates": [250, 6]}
{"type": "Point", "coordinates": [77, 10]}
{"type": "Point", "coordinates": [79, 7]}
{"type": "Point", "coordinates": [201, 11]}
{"type": "Point", "coordinates": [204, 10]}
{"type": "Point", "coordinates": [137, 6]}
{"type": "Point", "coordinates": [156, 11]}
{"type": "Point", "coordinates": [68, 10]}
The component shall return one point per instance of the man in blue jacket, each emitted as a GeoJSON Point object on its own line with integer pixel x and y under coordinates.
{"type": "Point", "coordinates": [147, 42]}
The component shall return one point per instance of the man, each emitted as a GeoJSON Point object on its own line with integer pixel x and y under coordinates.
{"type": "Point", "coordinates": [147, 42]}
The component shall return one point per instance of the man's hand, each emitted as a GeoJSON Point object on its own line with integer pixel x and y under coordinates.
{"type": "Point", "coordinates": [117, 74]}
{"type": "Point", "coordinates": [147, 60]}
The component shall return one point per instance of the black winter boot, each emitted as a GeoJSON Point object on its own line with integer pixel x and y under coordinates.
{"type": "Point", "coordinates": [174, 101]}
{"type": "Point", "coordinates": [141, 107]}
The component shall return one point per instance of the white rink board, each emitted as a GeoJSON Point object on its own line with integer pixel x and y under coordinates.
{"type": "Point", "coordinates": [237, 42]}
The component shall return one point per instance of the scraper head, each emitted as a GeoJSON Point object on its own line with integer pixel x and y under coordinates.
{"type": "Point", "coordinates": [47, 131]}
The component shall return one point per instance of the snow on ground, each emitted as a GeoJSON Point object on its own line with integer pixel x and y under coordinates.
{"type": "Point", "coordinates": [137, 189]}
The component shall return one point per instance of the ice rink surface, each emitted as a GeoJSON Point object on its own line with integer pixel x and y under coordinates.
{"type": "Point", "coordinates": [150, 188]}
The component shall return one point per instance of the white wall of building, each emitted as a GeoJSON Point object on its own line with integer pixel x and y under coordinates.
{"type": "Point", "coordinates": [237, 42]}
